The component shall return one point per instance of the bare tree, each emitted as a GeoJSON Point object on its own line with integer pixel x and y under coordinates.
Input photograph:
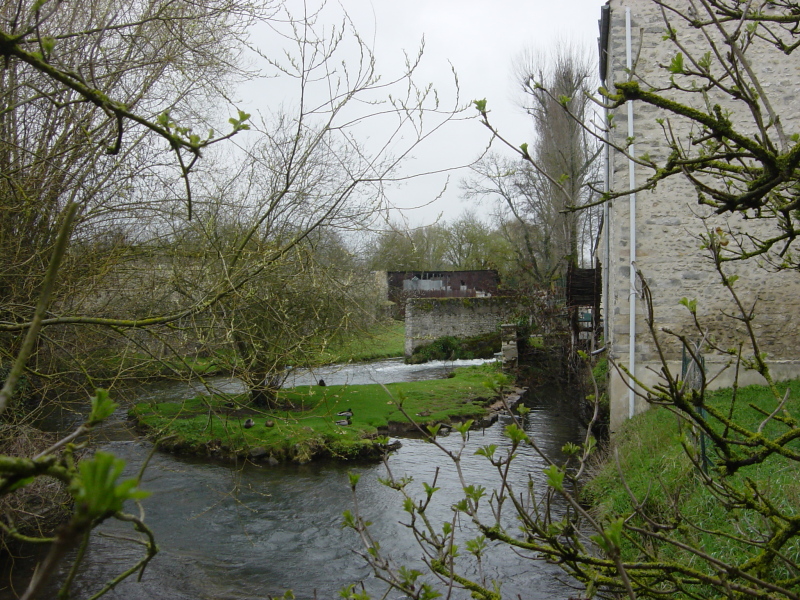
{"type": "Point", "coordinates": [557, 172]}
{"type": "Point", "coordinates": [401, 247]}
{"type": "Point", "coordinates": [474, 245]}
{"type": "Point", "coordinates": [84, 94]}
{"type": "Point", "coordinates": [556, 95]}
{"type": "Point", "coordinates": [103, 184]}
{"type": "Point", "coordinates": [80, 88]}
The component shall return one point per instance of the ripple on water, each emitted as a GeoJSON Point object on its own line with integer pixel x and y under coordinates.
{"type": "Point", "coordinates": [229, 533]}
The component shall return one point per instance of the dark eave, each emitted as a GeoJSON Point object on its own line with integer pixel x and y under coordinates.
{"type": "Point", "coordinates": [602, 41]}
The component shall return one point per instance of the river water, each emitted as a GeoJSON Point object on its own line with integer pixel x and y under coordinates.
{"type": "Point", "coordinates": [239, 532]}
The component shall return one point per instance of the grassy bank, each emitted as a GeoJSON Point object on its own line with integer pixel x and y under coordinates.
{"type": "Point", "coordinates": [672, 492]}
{"type": "Point", "coordinates": [385, 340]}
{"type": "Point", "coordinates": [210, 426]}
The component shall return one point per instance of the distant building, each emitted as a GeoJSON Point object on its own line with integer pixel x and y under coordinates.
{"type": "Point", "coordinates": [403, 285]}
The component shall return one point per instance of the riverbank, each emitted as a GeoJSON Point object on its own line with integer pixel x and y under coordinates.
{"type": "Point", "coordinates": [697, 518]}
{"type": "Point", "coordinates": [383, 340]}
{"type": "Point", "coordinates": [250, 531]}
{"type": "Point", "coordinates": [228, 427]}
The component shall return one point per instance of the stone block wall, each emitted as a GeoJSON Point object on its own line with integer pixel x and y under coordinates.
{"type": "Point", "coordinates": [669, 221]}
{"type": "Point", "coordinates": [428, 319]}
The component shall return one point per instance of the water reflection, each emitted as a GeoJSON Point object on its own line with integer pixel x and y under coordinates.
{"type": "Point", "coordinates": [250, 532]}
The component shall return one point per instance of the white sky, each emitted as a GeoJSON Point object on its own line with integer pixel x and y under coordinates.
{"type": "Point", "coordinates": [480, 39]}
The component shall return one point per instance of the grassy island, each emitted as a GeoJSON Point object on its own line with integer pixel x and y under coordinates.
{"type": "Point", "coordinates": [310, 427]}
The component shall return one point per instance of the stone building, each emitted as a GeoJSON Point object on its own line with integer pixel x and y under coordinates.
{"type": "Point", "coordinates": [657, 232]}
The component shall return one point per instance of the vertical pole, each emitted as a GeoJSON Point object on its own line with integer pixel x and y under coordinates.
{"type": "Point", "coordinates": [607, 237]}
{"type": "Point", "coordinates": [632, 213]}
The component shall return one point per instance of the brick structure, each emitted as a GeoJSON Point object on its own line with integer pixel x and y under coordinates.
{"type": "Point", "coordinates": [667, 221]}
{"type": "Point", "coordinates": [403, 285]}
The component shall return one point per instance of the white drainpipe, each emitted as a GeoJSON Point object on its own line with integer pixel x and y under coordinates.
{"type": "Point", "coordinates": [607, 236]}
{"type": "Point", "coordinates": [632, 211]}
{"type": "Point", "coordinates": [606, 18]}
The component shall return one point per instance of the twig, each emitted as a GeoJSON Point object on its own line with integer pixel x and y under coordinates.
{"type": "Point", "coordinates": [41, 306]}
{"type": "Point", "coordinates": [774, 412]}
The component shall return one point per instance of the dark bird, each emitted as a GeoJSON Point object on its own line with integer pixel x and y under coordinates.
{"type": "Point", "coordinates": [343, 422]}
{"type": "Point", "coordinates": [345, 413]}
{"type": "Point", "coordinates": [322, 383]}
{"type": "Point", "coordinates": [249, 423]}
{"type": "Point", "coordinates": [230, 405]}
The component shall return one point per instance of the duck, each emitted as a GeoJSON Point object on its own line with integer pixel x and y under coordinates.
{"type": "Point", "coordinates": [345, 413]}
{"type": "Point", "coordinates": [343, 422]}
{"type": "Point", "coordinates": [322, 383]}
{"type": "Point", "coordinates": [249, 423]}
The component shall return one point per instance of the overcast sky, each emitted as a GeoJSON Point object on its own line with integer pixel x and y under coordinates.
{"type": "Point", "coordinates": [480, 40]}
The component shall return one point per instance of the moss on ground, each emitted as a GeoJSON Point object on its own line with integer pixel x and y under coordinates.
{"type": "Point", "coordinates": [307, 428]}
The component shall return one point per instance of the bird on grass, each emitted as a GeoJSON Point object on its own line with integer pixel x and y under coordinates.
{"type": "Point", "coordinates": [249, 423]}
{"type": "Point", "coordinates": [345, 413]}
{"type": "Point", "coordinates": [344, 422]}
{"type": "Point", "coordinates": [322, 383]}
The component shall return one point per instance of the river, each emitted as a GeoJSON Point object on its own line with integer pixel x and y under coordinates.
{"type": "Point", "coordinates": [250, 531]}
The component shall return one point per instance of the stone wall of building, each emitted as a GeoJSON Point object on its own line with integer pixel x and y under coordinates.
{"type": "Point", "coordinates": [669, 221]}
{"type": "Point", "coordinates": [428, 319]}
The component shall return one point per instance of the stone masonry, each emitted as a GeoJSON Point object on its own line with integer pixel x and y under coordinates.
{"type": "Point", "coordinates": [430, 318]}
{"type": "Point", "coordinates": [669, 221]}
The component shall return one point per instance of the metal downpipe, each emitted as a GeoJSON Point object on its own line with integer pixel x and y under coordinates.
{"type": "Point", "coordinates": [632, 214]}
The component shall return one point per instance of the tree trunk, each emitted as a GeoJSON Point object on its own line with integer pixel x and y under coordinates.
{"type": "Point", "coordinates": [265, 397]}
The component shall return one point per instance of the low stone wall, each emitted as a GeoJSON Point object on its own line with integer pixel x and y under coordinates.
{"type": "Point", "coordinates": [428, 319]}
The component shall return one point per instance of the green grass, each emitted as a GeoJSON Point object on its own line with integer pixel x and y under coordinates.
{"type": "Point", "coordinates": [385, 340]}
{"type": "Point", "coordinates": [536, 341]}
{"type": "Point", "coordinates": [203, 425]}
{"type": "Point", "coordinates": [659, 474]}
{"type": "Point", "coordinates": [452, 348]}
